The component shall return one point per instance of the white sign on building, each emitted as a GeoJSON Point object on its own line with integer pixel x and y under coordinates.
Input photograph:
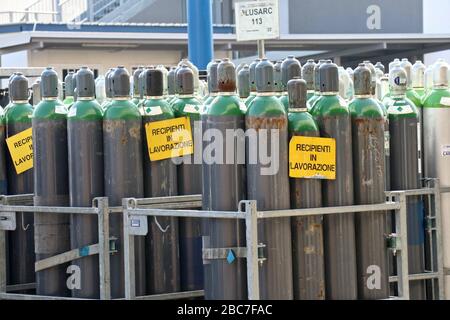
{"type": "Point", "coordinates": [257, 20]}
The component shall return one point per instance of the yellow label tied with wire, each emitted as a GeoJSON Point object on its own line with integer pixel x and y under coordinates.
{"type": "Point", "coordinates": [20, 148]}
{"type": "Point", "coordinates": [312, 157]}
{"type": "Point", "coordinates": [169, 138]}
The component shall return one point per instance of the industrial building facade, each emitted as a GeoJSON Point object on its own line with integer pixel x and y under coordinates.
{"type": "Point", "coordinates": [154, 32]}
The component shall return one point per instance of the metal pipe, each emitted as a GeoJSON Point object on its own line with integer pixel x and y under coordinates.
{"type": "Point", "coordinates": [200, 32]}
{"type": "Point", "coordinates": [261, 49]}
{"type": "Point", "coordinates": [65, 210]}
{"type": "Point", "coordinates": [418, 276]}
{"type": "Point", "coordinates": [187, 213]}
{"type": "Point", "coordinates": [128, 256]}
{"type": "Point", "coordinates": [402, 256]}
{"type": "Point", "coordinates": [439, 240]}
{"type": "Point", "coordinates": [103, 244]}
{"type": "Point", "coordinates": [328, 210]}
{"type": "Point", "coordinates": [251, 231]}
{"type": "Point", "coordinates": [173, 295]}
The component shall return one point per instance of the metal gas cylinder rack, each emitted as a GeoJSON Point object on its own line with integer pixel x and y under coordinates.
{"type": "Point", "coordinates": [136, 210]}
{"type": "Point", "coordinates": [435, 272]}
{"type": "Point", "coordinates": [137, 225]}
{"type": "Point", "coordinates": [10, 205]}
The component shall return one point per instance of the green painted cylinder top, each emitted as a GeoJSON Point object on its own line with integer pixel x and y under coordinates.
{"type": "Point", "coordinates": [18, 88]}
{"type": "Point", "coordinates": [120, 82]}
{"type": "Point", "coordinates": [86, 83]}
{"type": "Point", "coordinates": [290, 68]}
{"type": "Point", "coordinates": [49, 83]}
{"type": "Point", "coordinates": [308, 73]}
{"type": "Point", "coordinates": [362, 80]}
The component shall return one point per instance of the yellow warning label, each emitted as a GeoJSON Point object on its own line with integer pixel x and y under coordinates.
{"type": "Point", "coordinates": [311, 157]}
{"type": "Point", "coordinates": [21, 150]}
{"type": "Point", "coordinates": [169, 138]}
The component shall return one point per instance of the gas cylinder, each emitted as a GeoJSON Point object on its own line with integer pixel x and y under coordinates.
{"type": "Point", "coordinates": [21, 241]}
{"type": "Point", "coordinates": [418, 86]}
{"type": "Point", "coordinates": [108, 89]}
{"type": "Point", "coordinates": [333, 117]}
{"type": "Point", "coordinates": [100, 93]}
{"type": "Point", "coordinates": [36, 92]}
{"type": "Point", "coordinates": [403, 127]}
{"type": "Point", "coordinates": [383, 89]}
{"type": "Point", "coordinates": [171, 84]}
{"type": "Point", "coordinates": [411, 94]}
{"type": "Point", "coordinates": [368, 165]}
{"type": "Point", "coordinates": [373, 93]}
{"type": "Point", "coordinates": [252, 82]}
{"type": "Point", "coordinates": [346, 90]}
{"type": "Point", "coordinates": [85, 152]}
{"type": "Point", "coordinates": [307, 232]}
{"type": "Point", "coordinates": [238, 69]}
{"type": "Point", "coordinates": [418, 78]}
{"type": "Point", "coordinates": [160, 180]}
{"type": "Point", "coordinates": [317, 91]}
{"type": "Point", "coordinates": [277, 81]}
{"type": "Point", "coordinates": [136, 94]}
{"type": "Point", "coordinates": [243, 80]}
{"type": "Point", "coordinates": [195, 71]}
{"type": "Point", "coordinates": [51, 184]}
{"type": "Point", "coordinates": [212, 83]}
{"type": "Point", "coordinates": [165, 72]}
{"type": "Point", "coordinates": [141, 88]}
{"type": "Point", "coordinates": [68, 86]}
{"type": "Point", "coordinates": [436, 111]}
{"type": "Point", "coordinates": [350, 73]}
{"type": "Point", "coordinates": [123, 173]}
{"type": "Point", "coordinates": [391, 64]}
{"type": "Point", "coordinates": [266, 122]}
{"type": "Point", "coordinates": [223, 188]}
{"type": "Point", "coordinates": [387, 98]}
{"type": "Point", "coordinates": [3, 168]}
{"type": "Point", "coordinates": [428, 82]}
{"type": "Point", "coordinates": [380, 67]}
{"type": "Point", "coordinates": [290, 68]}
{"type": "Point", "coordinates": [308, 76]}
{"type": "Point", "coordinates": [189, 174]}
{"type": "Point", "coordinates": [9, 90]}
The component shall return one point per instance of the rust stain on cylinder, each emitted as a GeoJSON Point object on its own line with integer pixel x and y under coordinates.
{"type": "Point", "coordinates": [266, 122]}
